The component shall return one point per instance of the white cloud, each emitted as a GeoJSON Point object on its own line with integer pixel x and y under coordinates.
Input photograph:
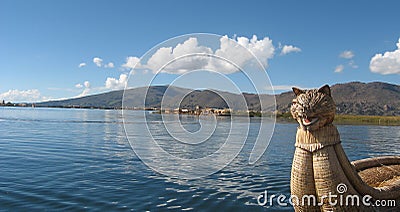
{"type": "Point", "coordinates": [98, 61]}
{"type": "Point", "coordinates": [347, 54]}
{"type": "Point", "coordinates": [81, 65]}
{"type": "Point", "coordinates": [289, 49]}
{"type": "Point", "coordinates": [85, 92]}
{"type": "Point", "coordinates": [86, 84]}
{"type": "Point", "coordinates": [87, 88]}
{"type": "Point", "coordinates": [130, 62]}
{"type": "Point", "coordinates": [229, 49]}
{"type": "Point", "coordinates": [110, 84]}
{"type": "Point", "coordinates": [165, 55]}
{"type": "Point", "coordinates": [262, 49]}
{"type": "Point", "coordinates": [109, 65]}
{"type": "Point", "coordinates": [388, 63]}
{"type": "Point", "coordinates": [339, 69]}
{"type": "Point", "coordinates": [352, 64]}
{"type": "Point", "coordinates": [116, 84]}
{"type": "Point", "coordinates": [32, 95]}
{"type": "Point", "coordinates": [234, 51]}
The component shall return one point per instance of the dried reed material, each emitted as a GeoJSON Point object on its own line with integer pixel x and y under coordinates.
{"type": "Point", "coordinates": [320, 165]}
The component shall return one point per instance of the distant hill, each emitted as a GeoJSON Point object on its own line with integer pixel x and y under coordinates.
{"type": "Point", "coordinates": [113, 99]}
{"type": "Point", "coordinates": [157, 94]}
{"type": "Point", "coordinates": [355, 98]}
{"type": "Point", "coordinates": [107, 100]}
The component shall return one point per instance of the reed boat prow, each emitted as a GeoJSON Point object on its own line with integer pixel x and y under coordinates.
{"type": "Point", "coordinates": [320, 166]}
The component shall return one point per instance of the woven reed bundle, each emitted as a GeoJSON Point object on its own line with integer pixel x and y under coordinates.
{"type": "Point", "coordinates": [320, 165]}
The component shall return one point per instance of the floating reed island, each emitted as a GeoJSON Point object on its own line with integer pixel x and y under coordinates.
{"type": "Point", "coordinates": [323, 178]}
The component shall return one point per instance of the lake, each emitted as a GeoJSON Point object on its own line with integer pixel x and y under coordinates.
{"type": "Point", "coordinates": [80, 159]}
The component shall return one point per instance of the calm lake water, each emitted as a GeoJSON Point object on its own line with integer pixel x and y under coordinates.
{"type": "Point", "coordinates": [72, 159]}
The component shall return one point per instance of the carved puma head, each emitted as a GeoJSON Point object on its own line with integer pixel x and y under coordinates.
{"type": "Point", "coordinates": [314, 108]}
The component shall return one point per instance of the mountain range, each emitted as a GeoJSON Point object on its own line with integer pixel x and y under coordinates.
{"type": "Point", "coordinates": [356, 98]}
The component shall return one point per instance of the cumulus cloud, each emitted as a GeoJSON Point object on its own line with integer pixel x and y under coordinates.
{"type": "Point", "coordinates": [109, 65]}
{"type": "Point", "coordinates": [116, 84]}
{"type": "Point", "coordinates": [166, 55]}
{"type": "Point", "coordinates": [262, 49]}
{"type": "Point", "coordinates": [176, 60]}
{"type": "Point", "coordinates": [87, 88]}
{"type": "Point", "coordinates": [86, 84]}
{"type": "Point", "coordinates": [81, 65]}
{"type": "Point", "coordinates": [85, 92]}
{"type": "Point", "coordinates": [98, 61]}
{"type": "Point", "coordinates": [339, 68]}
{"type": "Point", "coordinates": [286, 49]}
{"type": "Point", "coordinates": [110, 84]}
{"type": "Point", "coordinates": [387, 63]}
{"type": "Point", "coordinates": [130, 62]}
{"type": "Point", "coordinates": [32, 95]}
{"type": "Point", "coordinates": [234, 51]}
{"type": "Point", "coordinates": [346, 54]}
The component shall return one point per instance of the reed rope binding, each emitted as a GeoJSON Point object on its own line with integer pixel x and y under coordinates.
{"type": "Point", "coordinates": [320, 165]}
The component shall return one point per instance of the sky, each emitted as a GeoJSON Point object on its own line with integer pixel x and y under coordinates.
{"type": "Point", "coordinates": [61, 49]}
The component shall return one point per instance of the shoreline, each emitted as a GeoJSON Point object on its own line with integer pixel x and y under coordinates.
{"type": "Point", "coordinates": [348, 119]}
{"type": "Point", "coordinates": [340, 119]}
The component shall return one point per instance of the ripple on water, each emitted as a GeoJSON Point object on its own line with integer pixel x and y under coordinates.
{"type": "Point", "coordinates": [81, 160]}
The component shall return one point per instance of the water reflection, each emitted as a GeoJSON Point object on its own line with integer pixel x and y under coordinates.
{"type": "Point", "coordinates": [369, 141]}
{"type": "Point", "coordinates": [54, 159]}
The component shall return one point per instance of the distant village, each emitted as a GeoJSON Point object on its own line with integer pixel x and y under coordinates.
{"type": "Point", "coordinates": [207, 111]}
{"type": "Point", "coordinates": [197, 111]}
{"type": "Point", "coordinates": [10, 104]}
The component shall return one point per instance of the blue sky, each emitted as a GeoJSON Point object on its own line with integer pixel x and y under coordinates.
{"type": "Point", "coordinates": [42, 43]}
